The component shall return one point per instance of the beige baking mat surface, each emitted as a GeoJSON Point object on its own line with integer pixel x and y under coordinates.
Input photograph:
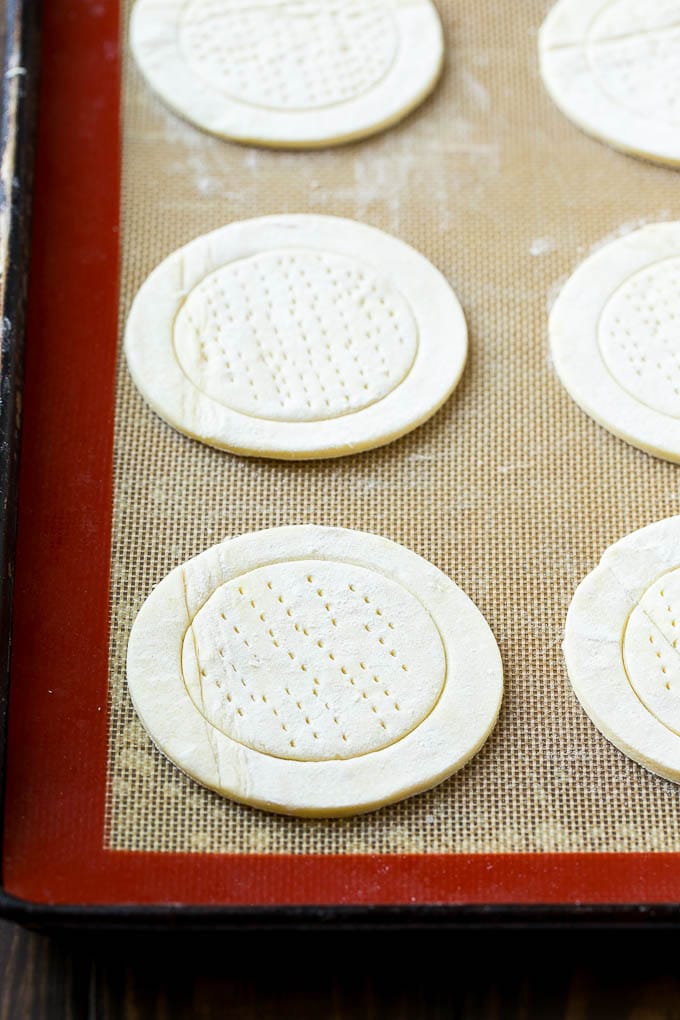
{"type": "Point", "coordinates": [510, 489]}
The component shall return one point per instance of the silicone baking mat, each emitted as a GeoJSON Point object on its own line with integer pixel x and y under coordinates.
{"type": "Point", "coordinates": [510, 490]}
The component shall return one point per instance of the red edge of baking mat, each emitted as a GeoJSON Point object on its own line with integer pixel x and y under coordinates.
{"type": "Point", "coordinates": [56, 774]}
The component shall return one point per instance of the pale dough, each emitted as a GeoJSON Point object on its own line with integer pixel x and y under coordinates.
{"type": "Point", "coordinates": [314, 671]}
{"type": "Point", "coordinates": [615, 338]}
{"type": "Point", "coordinates": [296, 337]}
{"type": "Point", "coordinates": [293, 73]}
{"type": "Point", "coordinates": [613, 67]}
{"type": "Point", "coordinates": [621, 646]}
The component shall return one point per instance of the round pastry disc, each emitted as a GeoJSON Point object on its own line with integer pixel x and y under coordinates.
{"type": "Point", "coordinates": [612, 68]}
{"type": "Point", "coordinates": [615, 338]}
{"type": "Point", "coordinates": [621, 646]}
{"type": "Point", "coordinates": [291, 73]}
{"type": "Point", "coordinates": [314, 671]}
{"type": "Point", "coordinates": [296, 337]}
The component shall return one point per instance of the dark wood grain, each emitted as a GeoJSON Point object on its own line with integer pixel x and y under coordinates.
{"type": "Point", "coordinates": [371, 976]}
{"type": "Point", "coordinates": [39, 977]}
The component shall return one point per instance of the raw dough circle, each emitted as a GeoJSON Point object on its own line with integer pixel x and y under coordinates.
{"type": "Point", "coordinates": [613, 67]}
{"type": "Point", "coordinates": [294, 73]}
{"type": "Point", "coordinates": [314, 671]}
{"type": "Point", "coordinates": [621, 646]}
{"type": "Point", "coordinates": [296, 337]}
{"type": "Point", "coordinates": [615, 338]}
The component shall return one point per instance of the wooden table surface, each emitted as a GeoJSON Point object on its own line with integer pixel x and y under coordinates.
{"type": "Point", "coordinates": [336, 975]}
{"type": "Point", "coordinates": [396, 976]}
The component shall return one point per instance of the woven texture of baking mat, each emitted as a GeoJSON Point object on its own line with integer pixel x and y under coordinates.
{"type": "Point", "coordinates": [510, 489]}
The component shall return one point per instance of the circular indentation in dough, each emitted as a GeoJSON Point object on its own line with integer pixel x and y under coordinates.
{"type": "Point", "coordinates": [296, 337]}
{"type": "Point", "coordinates": [292, 55]}
{"type": "Point", "coordinates": [613, 66]}
{"type": "Point", "coordinates": [289, 72]}
{"type": "Point", "coordinates": [650, 649]}
{"type": "Point", "coordinates": [314, 671]}
{"type": "Point", "coordinates": [621, 646]}
{"type": "Point", "coordinates": [639, 335]}
{"type": "Point", "coordinates": [615, 338]}
{"type": "Point", "coordinates": [348, 682]}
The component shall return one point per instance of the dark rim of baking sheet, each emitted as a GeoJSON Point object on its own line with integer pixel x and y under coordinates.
{"type": "Point", "coordinates": [19, 101]}
{"type": "Point", "coordinates": [55, 870]}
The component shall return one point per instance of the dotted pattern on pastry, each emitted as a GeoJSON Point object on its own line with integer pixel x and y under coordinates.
{"type": "Point", "coordinates": [295, 336]}
{"type": "Point", "coordinates": [639, 336]}
{"type": "Point", "coordinates": [307, 660]}
{"type": "Point", "coordinates": [290, 54]}
{"type": "Point", "coordinates": [650, 649]}
{"type": "Point", "coordinates": [634, 50]}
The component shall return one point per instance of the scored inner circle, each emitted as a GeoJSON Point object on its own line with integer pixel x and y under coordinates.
{"type": "Point", "coordinates": [634, 49]}
{"type": "Point", "coordinates": [289, 54]}
{"type": "Point", "coordinates": [295, 335]}
{"type": "Point", "coordinates": [639, 336]}
{"type": "Point", "coordinates": [650, 649]}
{"type": "Point", "coordinates": [313, 660]}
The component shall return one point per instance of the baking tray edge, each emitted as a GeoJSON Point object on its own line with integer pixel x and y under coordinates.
{"type": "Point", "coordinates": [19, 110]}
{"type": "Point", "coordinates": [20, 71]}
